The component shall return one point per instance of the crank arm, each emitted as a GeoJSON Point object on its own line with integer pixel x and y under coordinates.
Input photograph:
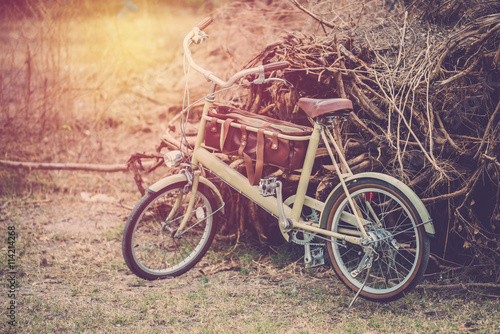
{"type": "Point", "coordinates": [270, 186]}
{"type": "Point", "coordinates": [283, 221]}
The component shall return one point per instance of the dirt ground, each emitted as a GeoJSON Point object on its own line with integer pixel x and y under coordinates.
{"type": "Point", "coordinates": [70, 276]}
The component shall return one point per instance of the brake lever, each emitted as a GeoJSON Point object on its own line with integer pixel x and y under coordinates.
{"type": "Point", "coordinates": [279, 80]}
{"type": "Point", "coordinates": [199, 36]}
{"type": "Point", "coordinates": [260, 81]}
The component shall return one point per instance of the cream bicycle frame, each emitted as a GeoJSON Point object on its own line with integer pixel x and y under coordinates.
{"type": "Point", "coordinates": [240, 183]}
{"type": "Point", "coordinates": [201, 156]}
{"type": "Point", "coordinates": [370, 224]}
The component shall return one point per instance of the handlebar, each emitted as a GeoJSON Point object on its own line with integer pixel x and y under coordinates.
{"type": "Point", "coordinates": [279, 65]}
{"type": "Point", "coordinates": [197, 36]}
{"type": "Point", "coordinates": [205, 23]}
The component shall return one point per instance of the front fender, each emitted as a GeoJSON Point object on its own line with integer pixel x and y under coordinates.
{"type": "Point", "coordinates": [414, 199]}
{"type": "Point", "coordinates": [160, 184]}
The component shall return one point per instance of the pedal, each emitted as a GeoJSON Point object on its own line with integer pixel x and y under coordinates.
{"type": "Point", "coordinates": [267, 186]}
{"type": "Point", "coordinates": [313, 257]}
{"type": "Point", "coordinates": [318, 258]}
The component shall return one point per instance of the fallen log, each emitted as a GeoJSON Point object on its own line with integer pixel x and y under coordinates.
{"type": "Point", "coordinates": [70, 166]}
{"type": "Point", "coordinates": [114, 168]}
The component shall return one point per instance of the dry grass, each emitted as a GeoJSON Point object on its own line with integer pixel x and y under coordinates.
{"type": "Point", "coordinates": [71, 278]}
{"type": "Point", "coordinates": [68, 76]}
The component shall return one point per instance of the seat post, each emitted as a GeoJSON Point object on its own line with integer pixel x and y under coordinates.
{"type": "Point", "coordinates": [306, 171]}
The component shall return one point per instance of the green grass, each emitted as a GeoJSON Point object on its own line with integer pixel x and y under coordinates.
{"type": "Point", "coordinates": [96, 294]}
{"type": "Point", "coordinates": [79, 283]}
{"type": "Point", "coordinates": [85, 287]}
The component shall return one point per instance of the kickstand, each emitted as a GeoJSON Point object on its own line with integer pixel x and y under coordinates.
{"type": "Point", "coordinates": [359, 291]}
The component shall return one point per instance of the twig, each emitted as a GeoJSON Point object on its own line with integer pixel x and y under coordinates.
{"type": "Point", "coordinates": [4, 205]}
{"type": "Point", "coordinates": [490, 122]}
{"type": "Point", "coordinates": [496, 59]}
{"type": "Point", "coordinates": [454, 194]}
{"type": "Point", "coordinates": [150, 99]}
{"type": "Point", "coordinates": [362, 125]}
{"type": "Point", "coordinates": [447, 135]}
{"type": "Point", "coordinates": [352, 57]}
{"type": "Point", "coordinates": [463, 286]}
{"type": "Point", "coordinates": [401, 44]}
{"type": "Point", "coordinates": [28, 81]}
{"type": "Point", "coordinates": [123, 205]}
{"type": "Point", "coordinates": [491, 159]}
{"type": "Point", "coordinates": [461, 74]}
{"type": "Point", "coordinates": [314, 16]}
{"type": "Point", "coordinates": [422, 177]}
{"type": "Point", "coordinates": [366, 103]}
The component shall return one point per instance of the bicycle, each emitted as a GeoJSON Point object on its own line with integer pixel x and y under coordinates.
{"type": "Point", "coordinates": [375, 228]}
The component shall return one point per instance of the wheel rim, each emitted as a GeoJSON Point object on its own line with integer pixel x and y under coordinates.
{"type": "Point", "coordinates": [155, 247]}
{"type": "Point", "coordinates": [394, 238]}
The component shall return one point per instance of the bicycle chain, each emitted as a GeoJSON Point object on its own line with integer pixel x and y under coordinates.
{"type": "Point", "coordinates": [304, 242]}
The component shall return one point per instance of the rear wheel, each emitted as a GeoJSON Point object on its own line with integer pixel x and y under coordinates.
{"type": "Point", "coordinates": [152, 246]}
{"type": "Point", "coordinates": [401, 247]}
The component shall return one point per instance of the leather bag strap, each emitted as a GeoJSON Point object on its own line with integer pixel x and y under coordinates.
{"type": "Point", "coordinates": [225, 132]}
{"type": "Point", "coordinates": [244, 140]}
{"type": "Point", "coordinates": [254, 176]}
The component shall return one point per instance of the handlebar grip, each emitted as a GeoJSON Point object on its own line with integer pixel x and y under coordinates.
{"type": "Point", "coordinates": [205, 23]}
{"type": "Point", "coordinates": [276, 66]}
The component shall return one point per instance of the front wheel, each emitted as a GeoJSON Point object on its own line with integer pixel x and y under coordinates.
{"type": "Point", "coordinates": [152, 245]}
{"type": "Point", "coordinates": [399, 247]}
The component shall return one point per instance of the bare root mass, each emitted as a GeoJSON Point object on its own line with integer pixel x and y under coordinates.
{"type": "Point", "coordinates": [425, 83]}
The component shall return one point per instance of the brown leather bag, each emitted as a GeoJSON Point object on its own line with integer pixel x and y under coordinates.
{"type": "Point", "coordinates": [256, 138]}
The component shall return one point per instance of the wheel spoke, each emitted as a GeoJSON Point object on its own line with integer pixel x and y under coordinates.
{"type": "Point", "coordinates": [152, 247]}
{"type": "Point", "coordinates": [393, 236]}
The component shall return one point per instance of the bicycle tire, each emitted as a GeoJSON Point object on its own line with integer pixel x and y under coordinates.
{"type": "Point", "coordinates": [401, 244]}
{"type": "Point", "coordinates": [150, 246]}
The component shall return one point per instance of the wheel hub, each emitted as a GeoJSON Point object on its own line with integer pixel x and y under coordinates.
{"type": "Point", "coordinates": [380, 237]}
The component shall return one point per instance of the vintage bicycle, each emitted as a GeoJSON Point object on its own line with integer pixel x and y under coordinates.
{"type": "Point", "coordinates": [372, 227]}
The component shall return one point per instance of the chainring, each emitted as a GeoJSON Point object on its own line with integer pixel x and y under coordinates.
{"type": "Point", "coordinates": [307, 237]}
{"type": "Point", "coordinates": [301, 237]}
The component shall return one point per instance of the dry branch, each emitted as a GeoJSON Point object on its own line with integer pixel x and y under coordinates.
{"type": "Point", "coordinates": [410, 85]}
{"type": "Point", "coordinates": [463, 286]}
{"type": "Point", "coordinates": [487, 130]}
{"type": "Point", "coordinates": [65, 166]}
{"type": "Point", "coordinates": [314, 16]}
{"type": "Point", "coordinates": [411, 107]}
